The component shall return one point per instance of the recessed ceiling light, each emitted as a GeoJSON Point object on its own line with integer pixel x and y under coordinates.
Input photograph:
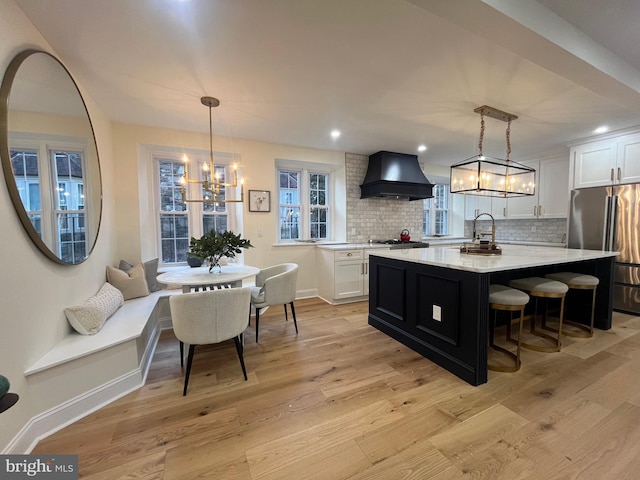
{"type": "Point", "coordinates": [335, 134]}
{"type": "Point", "coordinates": [601, 129]}
{"type": "Point", "coordinates": [422, 148]}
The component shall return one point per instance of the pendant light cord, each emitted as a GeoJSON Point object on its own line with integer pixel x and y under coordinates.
{"type": "Point", "coordinates": [481, 133]}
{"type": "Point", "coordinates": [508, 139]}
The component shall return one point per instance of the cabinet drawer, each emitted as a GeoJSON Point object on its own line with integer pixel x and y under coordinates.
{"type": "Point", "coordinates": [341, 255]}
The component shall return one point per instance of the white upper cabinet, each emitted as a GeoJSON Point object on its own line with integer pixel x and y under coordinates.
{"type": "Point", "coordinates": [628, 165]}
{"type": "Point", "coordinates": [552, 191]}
{"type": "Point", "coordinates": [474, 205]}
{"type": "Point", "coordinates": [607, 162]}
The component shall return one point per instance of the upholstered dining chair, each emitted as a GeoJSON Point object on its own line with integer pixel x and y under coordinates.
{"type": "Point", "coordinates": [203, 318]}
{"type": "Point", "coordinates": [275, 285]}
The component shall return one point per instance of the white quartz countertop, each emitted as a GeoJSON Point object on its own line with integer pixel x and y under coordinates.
{"type": "Point", "coordinates": [512, 258]}
{"type": "Point", "coordinates": [350, 246]}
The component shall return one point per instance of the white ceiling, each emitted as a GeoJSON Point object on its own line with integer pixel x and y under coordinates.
{"type": "Point", "coordinates": [390, 74]}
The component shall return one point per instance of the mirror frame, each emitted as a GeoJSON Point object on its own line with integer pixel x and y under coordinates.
{"type": "Point", "coordinates": [5, 91]}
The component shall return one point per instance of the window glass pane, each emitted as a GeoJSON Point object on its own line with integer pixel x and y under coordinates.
{"type": "Point", "coordinates": [174, 233]}
{"type": "Point", "coordinates": [71, 240]}
{"type": "Point", "coordinates": [289, 223]}
{"type": "Point", "coordinates": [170, 187]}
{"type": "Point", "coordinates": [25, 171]}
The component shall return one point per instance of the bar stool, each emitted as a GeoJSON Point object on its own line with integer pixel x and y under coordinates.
{"type": "Point", "coordinates": [508, 299]}
{"type": "Point", "coordinates": [539, 287]}
{"type": "Point", "coordinates": [578, 281]}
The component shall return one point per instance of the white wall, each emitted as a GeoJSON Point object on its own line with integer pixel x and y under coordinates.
{"type": "Point", "coordinates": [134, 186]}
{"type": "Point", "coordinates": [34, 289]}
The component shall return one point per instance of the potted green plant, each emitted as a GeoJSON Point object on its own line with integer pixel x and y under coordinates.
{"type": "Point", "coordinates": [215, 245]}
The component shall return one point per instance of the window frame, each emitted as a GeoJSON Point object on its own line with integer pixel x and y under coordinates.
{"type": "Point", "coordinates": [305, 170]}
{"type": "Point", "coordinates": [430, 213]}
{"type": "Point", "coordinates": [195, 211]}
{"type": "Point", "coordinates": [45, 148]}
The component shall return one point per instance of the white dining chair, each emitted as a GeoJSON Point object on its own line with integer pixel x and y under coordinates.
{"type": "Point", "coordinates": [203, 318]}
{"type": "Point", "coordinates": [275, 285]}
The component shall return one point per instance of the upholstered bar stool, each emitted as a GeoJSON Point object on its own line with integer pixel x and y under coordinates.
{"type": "Point", "coordinates": [539, 287]}
{"type": "Point", "coordinates": [508, 299]}
{"type": "Point", "coordinates": [578, 281]}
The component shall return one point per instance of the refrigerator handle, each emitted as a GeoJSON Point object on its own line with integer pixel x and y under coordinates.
{"type": "Point", "coordinates": [612, 220]}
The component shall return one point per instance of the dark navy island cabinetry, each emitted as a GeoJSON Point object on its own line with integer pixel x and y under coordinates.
{"type": "Point", "coordinates": [435, 300]}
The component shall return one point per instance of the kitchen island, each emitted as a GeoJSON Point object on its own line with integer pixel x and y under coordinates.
{"type": "Point", "coordinates": [436, 300]}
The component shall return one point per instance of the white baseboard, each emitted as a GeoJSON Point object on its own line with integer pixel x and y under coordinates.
{"type": "Point", "coordinates": [54, 419]}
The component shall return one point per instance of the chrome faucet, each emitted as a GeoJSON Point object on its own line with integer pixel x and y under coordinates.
{"type": "Point", "coordinates": [477, 235]}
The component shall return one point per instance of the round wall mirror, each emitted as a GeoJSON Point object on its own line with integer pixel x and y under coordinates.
{"type": "Point", "coordinates": [49, 157]}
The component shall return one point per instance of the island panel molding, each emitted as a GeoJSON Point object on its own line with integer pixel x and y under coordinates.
{"type": "Point", "coordinates": [458, 285]}
{"type": "Point", "coordinates": [259, 201]}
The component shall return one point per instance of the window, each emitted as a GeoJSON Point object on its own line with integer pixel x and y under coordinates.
{"type": "Point", "coordinates": [27, 176]}
{"type": "Point", "coordinates": [179, 220]}
{"type": "Point", "coordinates": [69, 208]}
{"type": "Point", "coordinates": [304, 204]}
{"type": "Point", "coordinates": [436, 211]}
{"type": "Point", "coordinates": [66, 230]}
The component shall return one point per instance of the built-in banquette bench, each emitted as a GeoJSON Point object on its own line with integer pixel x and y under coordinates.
{"type": "Point", "coordinates": [136, 320]}
{"type": "Point", "coordinates": [83, 373]}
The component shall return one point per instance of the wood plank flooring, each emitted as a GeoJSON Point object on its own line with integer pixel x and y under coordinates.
{"type": "Point", "coordinates": [343, 401]}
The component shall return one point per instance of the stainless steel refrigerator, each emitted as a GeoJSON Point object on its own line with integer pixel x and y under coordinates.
{"type": "Point", "coordinates": [608, 218]}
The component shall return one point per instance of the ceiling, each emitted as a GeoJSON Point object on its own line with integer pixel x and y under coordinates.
{"type": "Point", "coordinates": [389, 74]}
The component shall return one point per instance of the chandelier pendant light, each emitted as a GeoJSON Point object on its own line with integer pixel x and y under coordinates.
{"type": "Point", "coordinates": [490, 176]}
{"type": "Point", "coordinates": [213, 189]}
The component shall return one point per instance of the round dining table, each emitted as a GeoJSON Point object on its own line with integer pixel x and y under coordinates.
{"type": "Point", "coordinates": [199, 278]}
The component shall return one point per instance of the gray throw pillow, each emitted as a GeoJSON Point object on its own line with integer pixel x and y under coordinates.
{"type": "Point", "coordinates": [150, 272]}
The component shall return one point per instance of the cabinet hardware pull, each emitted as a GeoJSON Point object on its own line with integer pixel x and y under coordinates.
{"type": "Point", "coordinates": [349, 254]}
{"type": "Point", "coordinates": [535, 209]}
{"type": "Point", "coordinates": [612, 174]}
{"type": "Point", "coordinates": [539, 210]}
{"type": "Point", "coordinates": [504, 211]}
{"type": "Point", "coordinates": [619, 174]}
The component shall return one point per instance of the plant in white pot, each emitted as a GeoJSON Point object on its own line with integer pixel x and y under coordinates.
{"type": "Point", "coordinates": [215, 245]}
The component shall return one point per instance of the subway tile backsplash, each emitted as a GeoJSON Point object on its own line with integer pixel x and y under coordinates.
{"type": "Point", "coordinates": [552, 230]}
{"type": "Point", "coordinates": [376, 218]}
{"type": "Point", "coordinates": [380, 218]}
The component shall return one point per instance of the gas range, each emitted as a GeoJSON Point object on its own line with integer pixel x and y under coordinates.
{"type": "Point", "coordinates": [398, 244]}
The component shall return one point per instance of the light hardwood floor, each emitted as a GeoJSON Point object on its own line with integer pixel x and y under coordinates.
{"type": "Point", "coordinates": [342, 400]}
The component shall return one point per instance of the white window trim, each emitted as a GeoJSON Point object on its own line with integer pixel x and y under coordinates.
{"type": "Point", "coordinates": [149, 204]}
{"type": "Point", "coordinates": [45, 144]}
{"type": "Point", "coordinates": [306, 168]}
{"type": "Point", "coordinates": [432, 214]}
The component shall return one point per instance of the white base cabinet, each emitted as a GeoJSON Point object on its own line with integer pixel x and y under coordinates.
{"type": "Point", "coordinates": [343, 274]}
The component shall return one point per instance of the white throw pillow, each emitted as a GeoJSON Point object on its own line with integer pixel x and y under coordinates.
{"type": "Point", "coordinates": [132, 284]}
{"type": "Point", "coordinates": [89, 317]}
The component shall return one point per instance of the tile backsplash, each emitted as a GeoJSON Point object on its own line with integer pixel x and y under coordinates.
{"type": "Point", "coordinates": [535, 230]}
{"type": "Point", "coordinates": [380, 218]}
{"type": "Point", "coordinates": [376, 218]}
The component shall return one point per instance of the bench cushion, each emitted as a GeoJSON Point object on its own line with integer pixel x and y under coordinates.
{"type": "Point", "coordinates": [88, 318]}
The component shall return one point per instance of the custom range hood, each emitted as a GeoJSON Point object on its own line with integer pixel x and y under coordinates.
{"type": "Point", "coordinates": [395, 175]}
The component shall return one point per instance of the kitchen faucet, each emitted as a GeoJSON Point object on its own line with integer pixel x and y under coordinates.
{"type": "Point", "coordinates": [477, 235]}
